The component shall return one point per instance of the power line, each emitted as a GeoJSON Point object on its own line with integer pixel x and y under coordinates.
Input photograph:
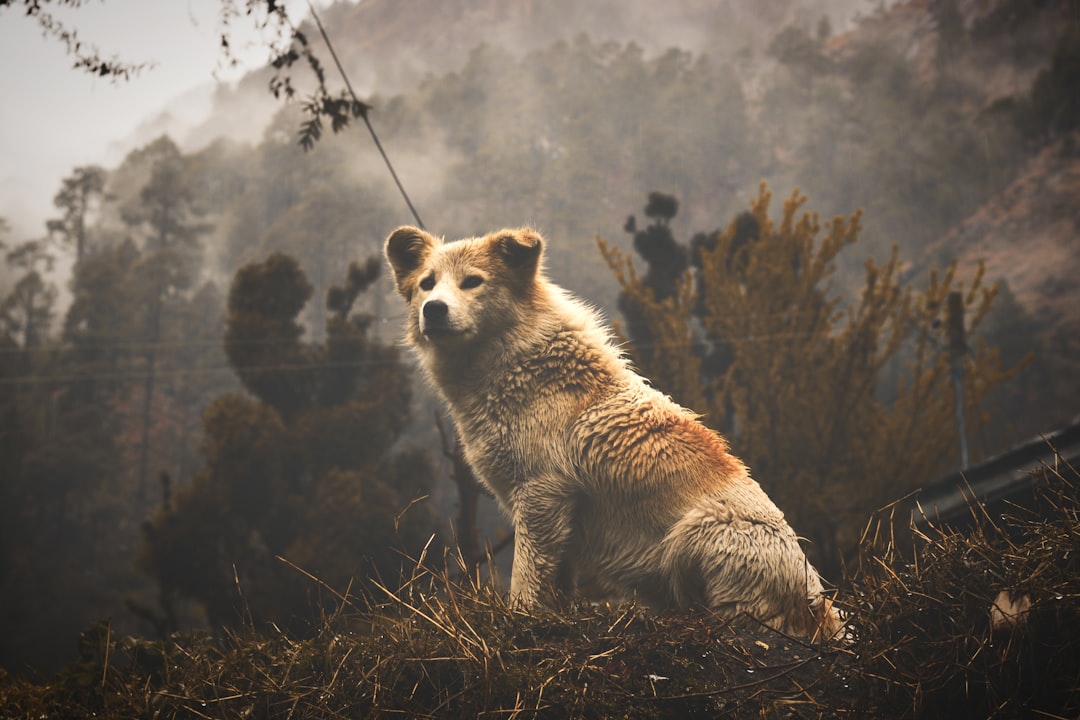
{"type": "Point", "coordinates": [308, 366]}
{"type": "Point", "coordinates": [363, 112]}
{"type": "Point", "coordinates": [184, 372]}
{"type": "Point", "coordinates": [142, 345]}
{"type": "Point", "coordinates": [137, 345]}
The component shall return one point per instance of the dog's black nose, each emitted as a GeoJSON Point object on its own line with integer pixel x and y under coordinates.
{"type": "Point", "coordinates": [436, 310]}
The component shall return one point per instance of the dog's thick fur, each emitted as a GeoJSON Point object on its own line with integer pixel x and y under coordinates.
{"type": "Point", "coordinates": [607, 481]}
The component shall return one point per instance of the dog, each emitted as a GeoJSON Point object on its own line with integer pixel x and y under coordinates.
{"type": "Point", "coordinates": [607, 481]}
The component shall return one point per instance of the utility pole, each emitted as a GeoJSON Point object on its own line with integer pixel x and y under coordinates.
{"type": "Point", "coordinates": [954, 324]}
{"type": "Point", "coordinates": [148, 390]}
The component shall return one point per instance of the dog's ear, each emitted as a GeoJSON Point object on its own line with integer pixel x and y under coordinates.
{"type": "Point", "coordinates": [406, 249]}
{"type": "Point", "coordinates": [521, 250]}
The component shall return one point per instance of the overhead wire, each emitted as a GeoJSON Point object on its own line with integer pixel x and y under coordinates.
{"type": "Point", "coordinates": [37, 379]}
{"type": "Point", "coordinates": [138, 345]}
{"type": "Point", "coordinates": [363, 113]}
{"type": "Point", "coordinates": [134, 346]}
{"type": "Point", "coordinates": [45, 379]}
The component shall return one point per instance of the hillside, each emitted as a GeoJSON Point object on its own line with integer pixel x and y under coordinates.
{"type": "Point", "coordinates": [988, 57]}
{"type": "Point", "coordinates": [994, 47]}
{"type": "Point", "coordinates": [392, 44]}
{"type": "Point", "coordinates": [952, 125]}
{"type": "Point", "coordinates": [1029, 235]}
{"type": "Point", "coordinates": [390, 47]}
{"type": "Point", "coordinates": [938, 638]}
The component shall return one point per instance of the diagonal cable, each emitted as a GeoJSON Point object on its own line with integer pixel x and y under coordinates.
{"type": "Point", "coordinates": [363, 113]}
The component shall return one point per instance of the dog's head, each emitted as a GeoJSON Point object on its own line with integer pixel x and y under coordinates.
{"type": "Point", "coordinates": [466, 290]}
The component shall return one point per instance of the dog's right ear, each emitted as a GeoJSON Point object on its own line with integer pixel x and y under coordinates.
{"type": "Point", "coordinates": [521, 250]}
{"type": "Point", "coordinates": [406, 249]}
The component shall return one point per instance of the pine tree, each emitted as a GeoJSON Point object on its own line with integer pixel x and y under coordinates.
{"type": "Point", "coordinates": [164, 213]}
{"type": "Point", "coordinates": [667, 262]}
{"type": "Point", "coordinates": [302, 467]}
{"type": "Point", "coordinates": [77, 198]}
{"type": "Point", "coordinates": [27, 311]}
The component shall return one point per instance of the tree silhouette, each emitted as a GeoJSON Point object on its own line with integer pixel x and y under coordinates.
{"type": "Point", "coordinates": [77, 196]}
{"type": "Point", "coordinates": [667, 262]}
{"type": "Point", "coordinates": [303, 468]}
{"type": "Point", "coordinates": [60, 462]}
{"type": "Point", "coordinates": [164, 214]}
{"type": "Point", "coordinates": [805, 391]}
{"type": "Point", "coordinates": [1053, 110]}
{"type": "Point", "coordinates": [26, 313]}
{"type": "Point", "coordinates": [262, 335]}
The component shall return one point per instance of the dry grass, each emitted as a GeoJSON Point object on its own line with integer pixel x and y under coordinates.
{"type": "Point", "coordinates": [922, 645]}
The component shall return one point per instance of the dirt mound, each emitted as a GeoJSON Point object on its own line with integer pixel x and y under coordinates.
{"type": "Point", "coordinates": [980, 624]}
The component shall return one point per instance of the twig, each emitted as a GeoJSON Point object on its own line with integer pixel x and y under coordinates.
{"type": "Point", "coordinates": [735, 688]}
{"type": "Point", "coordinates": [343, 598]}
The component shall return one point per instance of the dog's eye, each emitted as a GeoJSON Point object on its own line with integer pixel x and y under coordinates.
{"type": "Point", "coordinates": [427, 283]}
{"type": "Point", "coordinates": [471, 281]}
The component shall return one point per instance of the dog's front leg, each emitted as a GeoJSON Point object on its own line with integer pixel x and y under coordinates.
{"type": "Point", "coordinates": [543, 511]}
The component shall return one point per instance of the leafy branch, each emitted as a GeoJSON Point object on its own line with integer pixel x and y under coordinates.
{"type": "Point", "coordinates": [87, 57]}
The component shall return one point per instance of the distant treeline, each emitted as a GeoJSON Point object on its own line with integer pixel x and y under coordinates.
{"type": "Point", "coordinates": [210, 322]}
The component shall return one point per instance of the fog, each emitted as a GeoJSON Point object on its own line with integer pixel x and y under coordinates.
{"type": "Point", "coordinates": [54, 117]}
{"type": "Point", "coordinates": [194, 341]}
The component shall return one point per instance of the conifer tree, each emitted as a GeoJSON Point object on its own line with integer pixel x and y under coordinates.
{"type": "Point", "coordinates": [302, 467]}
{"type": "Point", "coordinates": [58, 454]}
{"type": "Point", "coordinates": [667, 261]}
{"type": "Point", "coordinates": [76, 198]}
{"type": "Point", "coordinates": [164, 213]}
{"type": "Point", "coordinates": [26, 312]}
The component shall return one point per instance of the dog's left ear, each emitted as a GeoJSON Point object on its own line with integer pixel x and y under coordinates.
{"type": "Point", "coordinates": [521, 250]}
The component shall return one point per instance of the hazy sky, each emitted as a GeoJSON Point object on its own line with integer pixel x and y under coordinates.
{"type": "Point", "coordinates": [54, 118]}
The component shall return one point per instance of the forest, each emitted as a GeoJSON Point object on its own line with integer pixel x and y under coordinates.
{"type": "Point", "coordinates": [209, 422]}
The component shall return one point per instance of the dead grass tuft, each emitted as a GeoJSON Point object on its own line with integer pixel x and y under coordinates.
{"type": "Point", "coordinates": [923, 644]}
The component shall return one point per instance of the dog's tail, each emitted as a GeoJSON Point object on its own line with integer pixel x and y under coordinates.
{"type": "Point", "coordinates": [736, 564]}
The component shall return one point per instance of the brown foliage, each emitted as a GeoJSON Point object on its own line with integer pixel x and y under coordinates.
{"type": "Point", "coordinates": [921, 644]}
{"type": "Point", "coordinates": [838, 407]}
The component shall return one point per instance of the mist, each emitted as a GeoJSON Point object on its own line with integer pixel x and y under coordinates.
{"type": "Point", "coordinates": [194, 340]}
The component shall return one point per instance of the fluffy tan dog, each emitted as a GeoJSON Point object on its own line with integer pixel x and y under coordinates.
{"type": "Point", "coordinates": [607, 481]}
